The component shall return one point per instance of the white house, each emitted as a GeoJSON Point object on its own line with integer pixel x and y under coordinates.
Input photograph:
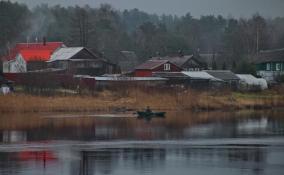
{"type": "Point", "coordinates": [16, 65]}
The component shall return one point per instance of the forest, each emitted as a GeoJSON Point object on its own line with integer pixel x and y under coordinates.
{"type": "Point", "coordinates": [108, 31]}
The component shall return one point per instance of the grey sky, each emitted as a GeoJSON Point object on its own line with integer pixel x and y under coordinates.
{"type": "Point", "coordinates": [237, 8]}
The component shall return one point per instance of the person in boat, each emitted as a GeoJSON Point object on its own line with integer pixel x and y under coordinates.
{"type": "Point", "coordinates": [148, 110]}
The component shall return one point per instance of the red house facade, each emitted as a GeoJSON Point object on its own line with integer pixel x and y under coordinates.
{"type": "Point", "coordinates": [146, 69]}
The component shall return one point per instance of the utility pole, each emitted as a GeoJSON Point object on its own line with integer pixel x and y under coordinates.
{"type": "Point", "coordinates": [257, 39]}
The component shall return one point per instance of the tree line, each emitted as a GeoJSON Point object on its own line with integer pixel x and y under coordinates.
{"type": "Point", "coordinates": [108, 31]}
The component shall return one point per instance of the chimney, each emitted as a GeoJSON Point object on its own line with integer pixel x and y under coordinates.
{"type": "Point", "coordinates": [44, 41]}
{"type": "Point", "coordinates": [28, 38]}
{"type": "Point", "coordinates": [180, 53]}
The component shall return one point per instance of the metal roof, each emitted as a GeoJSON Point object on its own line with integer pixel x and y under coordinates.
{"type": "Point", "coordinates": [179, 60]}
{"type": "Point", "coordinates": [151, 64]}
{"type": "Point", "coordinates": [223, 74]}
{"type": "Point", "coordinates": [264, 56]}
{"type": "Point", "coordinates": [65, 53]}
{"type": "Point", "coordinates": [116, 78]}
{"type": "Point", "coordinates": [251, 80]}
{"type": "Point", "coordinates": [170, 74]}
{"type": "Point", "coordinates": [33, 51]}
{"type": "Point", "coordinates": [200, 75]}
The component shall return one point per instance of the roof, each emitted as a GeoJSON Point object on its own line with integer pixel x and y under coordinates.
{"type": "Point", "coordinates": [151, 64]}
{"type": "Point", "coordinates": [223, 74]}
{"type": "Point", "coordinates": [65, 53]}
{"type": "Point", "coordinates": [269, 56]}
{"type": "Point", "coordinates": [248, 78]}
{"type": "Point", "coordinates": [33, 51]}
{"type": "Point", "coordinates": [115, 78]}
{"type": "Point", "coordinates": [200, 75]}
{"type": "Point", "coordinates": [251, 80]}
{"type": "Point", "coordinates": [179, 60]}
{"type": "Point", "coordinates": [169, 74]}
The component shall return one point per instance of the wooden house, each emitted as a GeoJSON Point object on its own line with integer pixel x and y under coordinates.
{"type": "Point", "coordinates": [186, 62]}
{"type": "Point", "coordinates": [80, 61]}
{"type": "Point", "coordinates": [270, 64]}
{"type": "Point", "coordinates": [29, 56]}
{"type": "Point", "coordinates": [149, 67]}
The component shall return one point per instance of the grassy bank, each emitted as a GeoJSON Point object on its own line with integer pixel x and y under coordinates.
{"type": "Point", "coordinates": [137, 99]}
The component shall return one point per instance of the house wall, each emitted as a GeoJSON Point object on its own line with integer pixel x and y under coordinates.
{"type": "Point", "coordinates": [143, 73]}
{"type": "Point", "coordinates": [84, 67]}
{"type": "Point", "coordinates": [36, 65]}
{"type": "Point", "coordinates": [17, 65]}
{"type": "Point", "coordinates": [192, 65]}
{"type": "Point", "coordinates": [272, 73]}
{"type": "Point", "coordinates": [263, 66]}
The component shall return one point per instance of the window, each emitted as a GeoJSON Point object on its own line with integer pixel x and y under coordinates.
{"type": "Point", "coordinates": [278, 66]}
{"type": "Point", "coordinates": [167, 67]}
{"type": "Point", "coordinates": [268, 66]}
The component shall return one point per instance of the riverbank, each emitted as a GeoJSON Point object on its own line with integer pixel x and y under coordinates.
{"type": "Point", "coordinates": [110, 101]}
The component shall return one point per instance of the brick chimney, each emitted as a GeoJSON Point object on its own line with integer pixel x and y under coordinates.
{"type": "Point", "coordinates": [44, 41]}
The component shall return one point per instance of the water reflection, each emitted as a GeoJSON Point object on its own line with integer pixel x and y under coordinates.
{"type": "Point", "coordinates": [32, 136]}
{"type": "Point", "coordinates": [181, 125]}
{"type": "Point", "coordinates": [150, 161]}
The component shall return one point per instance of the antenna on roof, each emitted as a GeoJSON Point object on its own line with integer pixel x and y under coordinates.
{"type": "Point", "coordinates": [180, 53]}
{"type": "Point", "coordinates": [28, 38]}
{"type": "Point", "coordinates": [9, 50]}
{"type": "Point", "coordinates": [158, 54]}
{"type": "Point", "coordinates": [44, 41]}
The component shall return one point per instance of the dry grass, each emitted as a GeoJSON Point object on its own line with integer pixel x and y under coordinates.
{"type": "Point", "coordinates": [138, 99]}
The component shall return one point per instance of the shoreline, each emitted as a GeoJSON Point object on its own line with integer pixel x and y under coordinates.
{"type": "Point", "coordinates": [109, 101]}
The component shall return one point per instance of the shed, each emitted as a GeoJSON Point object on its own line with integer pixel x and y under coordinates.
{"type": "Point", "coordinates": [227, 76]}
{"type": "Point", "coordinates": [201, 75]}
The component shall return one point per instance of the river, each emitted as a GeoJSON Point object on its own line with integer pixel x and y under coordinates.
{"type": "Point", "coordinates": [229, 143]}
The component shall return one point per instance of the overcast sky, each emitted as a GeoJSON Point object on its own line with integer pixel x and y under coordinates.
{"type": "Point", "coordinates": [236, 8]}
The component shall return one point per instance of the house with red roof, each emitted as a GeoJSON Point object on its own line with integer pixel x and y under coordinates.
{"type": "Point", "coordinates": [149, 67]}
{"type": "Point", "coordinates": [29, 56]}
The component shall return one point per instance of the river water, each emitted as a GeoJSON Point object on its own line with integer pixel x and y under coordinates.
{"type": "Point", "coordinates": [229, 143]}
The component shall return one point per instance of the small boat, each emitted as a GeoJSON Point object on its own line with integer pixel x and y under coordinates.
{"type": "Point", "coordinates": [150, 114]}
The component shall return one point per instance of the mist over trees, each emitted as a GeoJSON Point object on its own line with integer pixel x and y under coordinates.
{"type": "Point", "coordinates": [109, 31]}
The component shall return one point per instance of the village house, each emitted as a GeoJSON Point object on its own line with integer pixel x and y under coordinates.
{"type": "Point", "coordinates": [29, 56]}
{"type": "Point", "coordinates": [186, 62]}
{"type": "Point", "coordinates": [80, 61]}
{"type": "Point", "coordinates": [149, 67]}
{"type": "Point", "coordinates": [270, 64]}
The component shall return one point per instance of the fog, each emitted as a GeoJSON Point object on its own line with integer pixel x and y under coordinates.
{"type": "Point", "coordinates": [235, 8]}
